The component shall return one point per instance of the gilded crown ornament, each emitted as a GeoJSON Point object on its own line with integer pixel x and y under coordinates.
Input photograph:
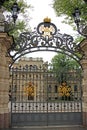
{"type": "Point", "coordinates": [47, 20]}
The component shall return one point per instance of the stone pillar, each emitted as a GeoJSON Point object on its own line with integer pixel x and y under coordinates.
{"type": "Point", "coordinates": [5, 43]}
{"type": "Point", "coordinates": [83, 62]}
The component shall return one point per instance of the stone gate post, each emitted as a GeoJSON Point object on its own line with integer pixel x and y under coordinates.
{"type": "Point", "coordinates": [83, 62]}
{"type": "Point", "coordinates": [5, 42]}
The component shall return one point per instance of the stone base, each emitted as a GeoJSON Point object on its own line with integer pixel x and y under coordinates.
{"type": "Point", "coordinates": [84, 118]}
{"type": "Point", "coordinates": [5, 120]}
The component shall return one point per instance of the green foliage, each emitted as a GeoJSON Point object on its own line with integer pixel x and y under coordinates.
{"type": "Point", "coordinates": [66, 8]}
{"type": "Point", "coordinates": [20, 27]}
{"type": "Point", "coordinates": [61, 64]}
{"type": "Point", "coordinates": [21, 24]}
{"type": "Point", "coordinates": [61, 61]}
{"type": "Point", "coordinates": [21, 3]}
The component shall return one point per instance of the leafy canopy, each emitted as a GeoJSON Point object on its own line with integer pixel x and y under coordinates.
{"type": "Point", "coordinates": [66, 8]}
{"type": "Point", "coordinates": [61, 61]}
{"type": "Point", "coordinates": [62, 64]}
{"type": "Point", "coordinates": [21, 23]}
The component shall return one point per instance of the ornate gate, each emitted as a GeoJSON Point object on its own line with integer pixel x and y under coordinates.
{"type": "Point", "coordinates": [40, 98]}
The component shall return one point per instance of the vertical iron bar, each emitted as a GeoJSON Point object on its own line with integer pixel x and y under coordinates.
{"type": "Point", "coordinates": [47, 97]}
{"type": "Point", "coordinates": [11, 89]}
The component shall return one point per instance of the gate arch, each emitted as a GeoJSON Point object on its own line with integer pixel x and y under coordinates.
{"type": "Point", "coordinates": [45, 37]}
{"type": "Point", "coordinates": [41, 110]}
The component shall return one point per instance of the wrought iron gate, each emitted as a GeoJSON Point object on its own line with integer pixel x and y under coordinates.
{"type": "Point", "coordinates": [39, 97]}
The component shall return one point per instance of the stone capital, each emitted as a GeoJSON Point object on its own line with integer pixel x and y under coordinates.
{"type": "Point", "coordinates": [83, 46]}
{"type": "Point", "coordinates": [6, 40]}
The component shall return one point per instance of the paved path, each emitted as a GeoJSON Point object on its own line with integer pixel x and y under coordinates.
{"type": "Point", "coordinates": [50, 128]}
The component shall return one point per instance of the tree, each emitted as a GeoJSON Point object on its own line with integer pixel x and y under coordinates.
{"type": "Point", "coordinates": [21, 24]}
{"type": "Point", "coordinates": [85, 1]}
{"type": "Point", "coordinates": [66, 8]}
{"type": "Point", "coordinates": [62, 64]}
{"type": "Point", "coordinates": [62, 61]}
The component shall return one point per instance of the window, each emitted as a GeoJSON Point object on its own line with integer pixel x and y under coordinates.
{"type": "Point", "coordinates": [55, 89]}
{"type": "Point", "coordinates": [35, 67]}
{"type": "Point", "coordinates": [75, 88]}
{"type": "Point", "coordinates": [36, 76]}
{"type": "Point", "coordinates": [14, 88]}
{"type": "Point", "coordinates": [31, 67]}
{"type": "Point", "coordinates": [26, 66]}
{"type": "Point", "coordinates": [49, 88]}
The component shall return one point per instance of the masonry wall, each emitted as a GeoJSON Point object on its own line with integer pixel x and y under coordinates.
{"type": "Point", "coordinates": [5, 41]}
{"type": "Point", "coordinates": [83, 61]}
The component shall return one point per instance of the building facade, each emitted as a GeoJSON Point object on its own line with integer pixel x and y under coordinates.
{"type": "Point", "coordinates": [33, 80]}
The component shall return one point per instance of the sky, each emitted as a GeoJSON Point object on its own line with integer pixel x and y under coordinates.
{"type": "Point", "coordinates": [42, 9]}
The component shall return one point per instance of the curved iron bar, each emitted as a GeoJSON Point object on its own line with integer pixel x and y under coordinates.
{"type": "Point", "coordinates": [29, 42]}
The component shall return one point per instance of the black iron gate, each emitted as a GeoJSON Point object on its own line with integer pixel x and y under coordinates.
{"type": "Point", "coordinates": [39, 97]}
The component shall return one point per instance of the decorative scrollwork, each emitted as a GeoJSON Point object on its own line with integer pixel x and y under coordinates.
{"type": "Point", "coordinates": [53, 41]}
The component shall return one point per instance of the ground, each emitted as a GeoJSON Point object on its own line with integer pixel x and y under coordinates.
{"type": "Point", "coordinates": [50, 128]}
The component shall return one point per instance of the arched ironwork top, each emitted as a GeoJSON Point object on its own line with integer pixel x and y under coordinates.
{"type": "Point", "coordinates": [45, 37]}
